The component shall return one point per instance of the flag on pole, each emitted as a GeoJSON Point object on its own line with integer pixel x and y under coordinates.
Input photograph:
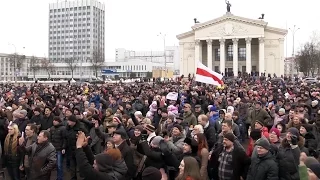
{"type": "Point", "coordinates": [206, 75]}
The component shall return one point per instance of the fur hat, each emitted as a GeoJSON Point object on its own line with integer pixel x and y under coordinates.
{"type": "Point", "coordinates": [192, 143]}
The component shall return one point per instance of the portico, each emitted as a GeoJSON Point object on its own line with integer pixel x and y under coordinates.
{"type": "Point", "coordinates": [232, 44]}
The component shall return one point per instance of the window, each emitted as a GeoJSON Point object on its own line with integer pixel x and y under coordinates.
{"type": "Point", "coordinates": [217, 54]}
{"type": "Point", "coordinates": [242, 54]}
{"type": "Point", "coordinates": [216, 69]}
{"type": "Point", "coordinates": [230, 52]}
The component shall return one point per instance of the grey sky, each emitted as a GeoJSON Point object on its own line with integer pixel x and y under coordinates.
{"type": "Point", "coordinates": [134, 24]}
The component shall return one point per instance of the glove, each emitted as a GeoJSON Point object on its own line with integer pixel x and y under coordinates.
{"type": "Point", "coordinates": [294, 140]}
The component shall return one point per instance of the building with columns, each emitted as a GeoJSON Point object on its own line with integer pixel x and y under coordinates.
{"type": "Point", "coordinates": [231, 44]}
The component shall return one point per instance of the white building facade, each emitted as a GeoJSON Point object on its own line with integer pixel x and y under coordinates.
{"type": "Point", "coordinates": [231, 44]}
{"type": "Point", "coordinates": [170, 56]}
{"type": "Point", "coordinates": [76, 30]}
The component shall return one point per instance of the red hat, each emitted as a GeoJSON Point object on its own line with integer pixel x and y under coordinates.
{"type": "Point", "coordinates": [276, 131]}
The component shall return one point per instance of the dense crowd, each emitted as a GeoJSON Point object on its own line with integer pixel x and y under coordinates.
{"type": "Point", "coordinates": [254, 128]}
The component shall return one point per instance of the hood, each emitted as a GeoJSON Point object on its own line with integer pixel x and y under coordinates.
{"type": "Point", "coordinates": [120, 167]}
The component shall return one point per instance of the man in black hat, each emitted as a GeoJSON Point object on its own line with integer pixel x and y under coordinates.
{"type": "Point", "coordinates": [119, 139]}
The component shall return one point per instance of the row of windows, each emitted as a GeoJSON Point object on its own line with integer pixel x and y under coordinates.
{"type": "Point", "coordinates": [71, 42]}
{"type": "Point", "coordinates": [72, 47]}
{"type": "Point", "coordinates": [75, 9]}
{"type": "Point", "coordinates": [242, 53]}
{"type": "Point", "coordinates": [134, 67]}
{"type": "Point", "coordinates": [68, 53]}
{"type": "Point", "coordinates": [67, 15]}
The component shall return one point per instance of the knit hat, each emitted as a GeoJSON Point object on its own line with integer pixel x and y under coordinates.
{"type": "Point", "coordinates": [192, 143]}
{"type": "Point", "coordinates": [104, 162]}
{"type": "Point", "coordinates": [156, 141]}
{"type": "Point", "coordinates": [151, 173]}
{"type": "Point", "coordinates": [139, 127]}
{"type": "Point", "coordinates": [23, 111]}
{"type": "Point", "coordinates": [72, 118]}
{"type": "Point", "coordinates": [178, 127]}
{"type": "Point", "coordinates": [276, 131]}
{"type": "Point", "coordinates": [229, 136]}
{"type": "Point", "coordinates": [122, 133]}
{"type": "Point", "coordinates": [294, 131]}
{"type": "Point", "coordinates": [310, 160]}
{"type": "Point", "coordinates": [315, 168]}
{"type": "Point", "coordinates": [263, 142]}
{"type": "Point", "coordinates": [118, 119]}
{"type": "Point", "coordinates": [260, 122]}
{"type": "Point", "coordinates": [150, 128]}
{"type": "Point", "coordinates": [255, 134]}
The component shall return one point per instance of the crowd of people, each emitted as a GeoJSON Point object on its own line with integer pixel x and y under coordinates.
{"type": "Point", "coordinates": [251, 128]}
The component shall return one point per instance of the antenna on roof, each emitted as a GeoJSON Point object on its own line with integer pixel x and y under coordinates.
{"type": "Point", "coordinates": [262, 16]}
{"type": "Point", "coordinates": [196, 21]}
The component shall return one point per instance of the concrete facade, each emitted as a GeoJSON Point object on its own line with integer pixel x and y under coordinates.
{"type": "Point", "coordinates": [233, 44]}
{"type": "Point", "coordinates": [76, 30]}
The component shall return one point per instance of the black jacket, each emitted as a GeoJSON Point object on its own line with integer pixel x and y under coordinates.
{"type": "Point", "coordinates": [154, 156]}
{"type": "Point", "coordinates": [127, 155]}
{"type": "Point", "coordinates": [58, 136]}
{"type": "Point", "coordinates": [210, 133]}
{"type": "Point", "coordinates": [86, 169]}
{"type": "Point", "coordinates": [46, 122]}
{"type": "Point", "coordinates": [71, 136]}
{"type": "Point", "coordinates": [263, 168]}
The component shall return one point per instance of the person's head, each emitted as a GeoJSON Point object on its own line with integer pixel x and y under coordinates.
{"type": "Point", "coordinates": [43, 136]}
{"type": "Point", "coordinates": [197, 129]}
{"type": "Point", "coordinates": [177, 130]}
{"type": "Point", "coordinates": [203, 120]}
{"type": "Point", "coordinates": [258, 105]}
{"type": "Point", "coordinates": [228, 116]}
{"type": "Point", "coordinates": [68, 112]}
{"type": "Point", "coordinates": [314, 171]}
{"type": "Point", "coordinates": [226, 126]}
{"type": "Point", "coordinates": [138, 130]}
{"type": "Point", "coordinates": [110, 144]}
{"type": "Point", "coordinates": [116, 120]}
{"type": "Point", "coordinates": [111, 128]}
{"type": "Point", "coordinates": [187, 107]}
{"type": "Point", "coordinates": [151, 173]}
{"type": "Point", "coordinates": [274, 135]}
{"type": "Point", "coordinates": [47, 111]}
{"type": "Point", "coordinates": [281, 127]}
{"type": "Point", "coordinates": [115, 153]}
{"type": "Point", "coordinates": [56, 120]}
{"type": "Point", "coordinates": [103, 162]}
{"type": "Point", "coordinates": [296, 120]}
{"type": "Point", "coordinates": [258, 124]}
{"type": "Point", "coordinates": [292, 132]}
{"type": "Point", "coordinates": [190, 146]}
{"type": "Point", "coordinates": [150, 129]}
{"type": "Point", "coordinates": [119, 136]}
{"type": "Point", "coordinates": [155, 143]}
{"type": "Point", "coordinates": [72, 120]}
{"type": "Point", "coordinates": [189, 167]}
{"type": "Point", "coordinates": [30, 130]}
{"type": "Point", "coordinates": [228, 140]}
{"type": "Point", "coordinates": [13, 129]}
{"type": "Point", "coordinates": [263, 146]}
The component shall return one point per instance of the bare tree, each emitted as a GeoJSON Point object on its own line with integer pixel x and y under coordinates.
{"type": "Point", "coordinates": [34, 66]}
{"type": "Point", "coordinates": [16, 62]}
{"type": "Point", "coordinates": [48, 66]}
{"type": "Point", "coordinates": [97, 61]}
{"type": "Point", "coordinates": [72, 64]}
{"type": "Point", "coordinates": [308, 59]}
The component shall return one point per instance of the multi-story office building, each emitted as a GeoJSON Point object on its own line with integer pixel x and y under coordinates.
{"type": "Point", "coordinates": [76, 30]}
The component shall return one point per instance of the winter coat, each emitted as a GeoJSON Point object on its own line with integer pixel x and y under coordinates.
{"type": "Point", "coordinates": [58, 136]}
{"type": "Point", "coordinates": [120, 169]}
{"type": "Point", "coordinates": [210, 134]}
{"type": "Point", "coordinates": [263, 168]}
{"type": "Point", "coordinates": [46, 122]}
{"type": "Point", "coordinates": [42, 160]}
{"type": "Point", "coordinates": [190, 118]}
{"type": "Point", "coordinates": [154, 156]}
{"type": "Point", "coordinates": [176, 144]}
{"type": "Point", "coordinates": [127, 155]}
{"type": "Point", "coordinates": [71, 135]}
{"type": "Point", "coordinates": [86, 169]}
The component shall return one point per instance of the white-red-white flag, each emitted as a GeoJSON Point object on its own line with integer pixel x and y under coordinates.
{"type": "Point", "coordinates": [206, 75]}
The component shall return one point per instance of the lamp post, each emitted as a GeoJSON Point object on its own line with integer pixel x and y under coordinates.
{"type": "Point", "coordinates": [293, 31]}
{"type": "Point", "coordinates": [163, 36]}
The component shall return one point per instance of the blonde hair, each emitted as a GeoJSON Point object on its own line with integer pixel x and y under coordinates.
{"type": "Point", "coordinates": [146, 121]}
{"type": "Point", "coordinates": [14, 145]}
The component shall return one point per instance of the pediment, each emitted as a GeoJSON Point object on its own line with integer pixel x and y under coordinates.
{"type": "Point", "coordinates": [229, 17]}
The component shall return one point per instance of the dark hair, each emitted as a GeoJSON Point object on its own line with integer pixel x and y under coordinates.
{"type": "Point", "coordinates": [33, 127]}
{"type": "Point", "coordinates": [46, 133]}
{"type": "Point", "coordinates": [191, 169]}
{"type": "Point", "coordinates": [228, 122]}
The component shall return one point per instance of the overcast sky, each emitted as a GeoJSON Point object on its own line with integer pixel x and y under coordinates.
{"type": "Point", "coordinates": [134, 24]}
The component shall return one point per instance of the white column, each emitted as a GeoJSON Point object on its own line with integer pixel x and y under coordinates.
{"type": "Point", "coordinates": [261, 56]}
{"type": "Point", "coordinates": [222, 56]}
{"type": "Point", "coordinates": [248, 55]}
{"type": "Point", "coordinates": [281, 57]}
{"type": "Point", "coordinates": [209, 50]}
{"type": "Point", "coordinates": [196, 55]}
{"type": "Point", "coordinates": [235, 57]}
{"type": "Point", "coordinates": [200, 52]}
{"type": "Point", "coordinates": [181, 44]}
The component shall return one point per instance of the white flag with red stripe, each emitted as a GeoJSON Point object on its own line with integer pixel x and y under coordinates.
{"type": "Point", "coordinates": [206, 75]}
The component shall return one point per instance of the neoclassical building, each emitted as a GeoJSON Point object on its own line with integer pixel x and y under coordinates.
{"type": "Point", "coordinates": [231, 43]}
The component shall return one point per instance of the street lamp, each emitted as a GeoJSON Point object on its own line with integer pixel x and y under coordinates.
{"type": "Point", "coordinates": [16, 71]}
{"type": "Point", "coordinates": [163, 36]}
{"type": "Point", "coordinates": [293, 31]}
